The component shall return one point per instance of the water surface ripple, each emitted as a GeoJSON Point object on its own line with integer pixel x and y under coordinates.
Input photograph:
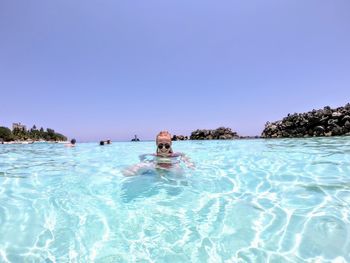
{"type": "Point", "coordinates": [284, 200]}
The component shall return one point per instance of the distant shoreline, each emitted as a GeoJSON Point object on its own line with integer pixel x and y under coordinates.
{"type": "Point", "coordinates": [34, 142]}
{"type": "Point", "coordinates": [217, 140]}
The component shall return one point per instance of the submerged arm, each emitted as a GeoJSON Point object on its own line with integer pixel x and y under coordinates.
{"type": "Point", "coordinates": [137, 169]}
{"type": "Point", "coordinates": [143, 157]}
{"type": "Point", "coordinates": [187, 160]}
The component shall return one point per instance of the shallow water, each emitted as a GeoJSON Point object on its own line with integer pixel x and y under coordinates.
{"type": "Point", "coordinates": [284, 200]}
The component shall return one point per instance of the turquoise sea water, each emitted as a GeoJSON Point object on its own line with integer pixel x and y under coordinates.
{"type": "Point", "coordinates": [283, 200]}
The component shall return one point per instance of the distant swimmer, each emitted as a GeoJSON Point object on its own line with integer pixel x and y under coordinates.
{"type": "Point", "coordinates": [164, 158]}
{"type": "Point", "coordinates": [72, 143]}
{"type": "Point", "coordinates": [105, 142]}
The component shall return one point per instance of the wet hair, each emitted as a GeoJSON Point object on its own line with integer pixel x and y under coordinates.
{"type": "Point", "coordinates": [102, 143]}
{"type": "Point", "coordinates": [163, 134]}
{"type": "Point", "coordinates": [73, 141]}
{"type": "Point", "coordinates": [168, 136]}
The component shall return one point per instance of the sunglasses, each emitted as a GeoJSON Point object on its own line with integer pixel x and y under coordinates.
{"type": "Point", "coordinates": [161, 145]}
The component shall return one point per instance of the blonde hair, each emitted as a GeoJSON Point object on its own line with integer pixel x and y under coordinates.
{"type": "Point", "coordinates": [164, 134]}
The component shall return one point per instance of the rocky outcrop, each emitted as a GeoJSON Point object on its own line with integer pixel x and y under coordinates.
{"type": "Point", "coordinates": [135, 139]}
{"type": "Point", "coordinates": [179, 138]}
{"type": "Point", "coordinates": [249, 137]}
{"type": "Point", "coordinates": [221, 133]}
{"type": "Point", "coordinates": [323, 122]}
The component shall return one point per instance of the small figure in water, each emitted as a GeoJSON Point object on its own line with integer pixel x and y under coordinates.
{"type": "Point", "coordinates": [105, 142]}
{"type": "Point", "coordinates": [72, 143]}
{"type": "Point", "coordinates": [164, 158]}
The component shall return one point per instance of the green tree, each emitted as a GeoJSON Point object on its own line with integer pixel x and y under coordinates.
{"type": "Point", "coordinates": [41, 133]}
{"type": "Point", "coordinates": [50, 131]}
{"type": "Point", "coordinates": [19, 134]}
{"type": "Point", "coordinates": [33, 134]}
{"type": "Point", "coordinates": [6, 134]}
{"type": "Point", "coordinates": [50, 134]}
{"type": "Point", "coordinates": [60, 137]}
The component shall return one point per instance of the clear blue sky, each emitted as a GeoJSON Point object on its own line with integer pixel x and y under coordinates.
{"type": "Point", "coordinates": [111, 69]}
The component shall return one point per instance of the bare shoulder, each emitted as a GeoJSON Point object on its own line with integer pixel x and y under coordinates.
{"type": "Point", "coordinates": [178, 154]}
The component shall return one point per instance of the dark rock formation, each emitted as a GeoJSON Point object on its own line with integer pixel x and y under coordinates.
{"type": "Point", "coordinates": [135, 139]}
{"type": "Point", "coordinates": [249, 137]}
{"type": "Point", "coordinates": [221, 133]}
{"type": "Point", "coordinates": [179, 138]}
{"type": "Point", "coordinates": [323, 122]}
